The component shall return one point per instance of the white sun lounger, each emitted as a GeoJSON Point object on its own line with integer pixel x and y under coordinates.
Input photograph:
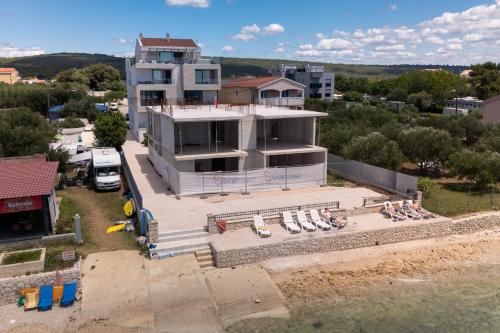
{"type": "Point", "coordinates": [289, 223]}
{"type": "Point", "coordinates": [304, 221]}
{"type": "Point", "coordinates": [408, 211]}
{"type": "Point", "coordinates": [261, 227]}
{"type": "Point", "coordinates": [392, 213]}
{"type": "Point", "coordinates": [318, 221]}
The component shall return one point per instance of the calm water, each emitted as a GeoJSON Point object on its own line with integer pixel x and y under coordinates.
{"type": "Point", "coordinates": [468, 303]}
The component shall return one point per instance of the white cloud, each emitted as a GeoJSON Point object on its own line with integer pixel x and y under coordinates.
{"type": "Point", "coordinates": [273, 28]}
{"type": "Point", "coordinates": [128, 54]}
{"type": "Point", "coordinates": [122, 41]}
{"type": "Point", "coordinates": [9, 50]}
{"type": "Point", "coordinates": [395, 47]}
{"type": "Point", "coordinates": [306, 47]}
{"type": "Point", "coordinates": [279, 50]}
{"type": "Point", "coordinates": [393, 7]}
{"type": "Point", "coordinates": [334, 44]}
{"type": "Point", "coordinates": [244, 37]}
{"type": "Point", "coordinates": [190, 3]}
{"type": "Point", "coordinates": [250, 29]}
{"type": "Point", "coordinates": [228, 48]}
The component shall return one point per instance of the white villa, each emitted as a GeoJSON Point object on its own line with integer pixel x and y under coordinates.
{"type": "Point", "coordinates": [168, 70]}
{"type": "Point", "coordinates": [226, 148]}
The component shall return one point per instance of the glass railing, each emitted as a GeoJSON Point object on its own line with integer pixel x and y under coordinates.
{"type": "Point", "coordinates": [209, 81]}
{"type": "Point", "coordinates": [166, 81]}
{"type": "Point", "coordinates": [178, 61]}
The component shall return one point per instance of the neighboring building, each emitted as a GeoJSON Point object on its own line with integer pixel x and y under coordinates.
{"type": "Point", "coordinates": [32, 80]}
{"type": "Point", "coordinates": [268, 90]}
{"type": "Point", "coordinates": [168, 71]}
{"type": "Point", "coordinates": [469, 103]}
{"type": "Point", "coordinates": [397, 106]}
{"type": "Point", "coordinates": [317, 82]}
{"type": "Point", "coordinates": [452, 111]}
{"type": "Point", "coordinates": [229, 148]}
{"type": "Point", "coordinates": [466, 73]}
{"type": "Point", "coordinates": [491, 110]}
{"type": "Point", "coordinates": [9, 75]}
{"type": "Point", "coordinates": [28, 206]}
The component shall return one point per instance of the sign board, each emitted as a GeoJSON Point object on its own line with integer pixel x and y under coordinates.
{"type": "Point", "coordinates": [68, 255]}
{"type": "Point", "coordinates": [22, 204]}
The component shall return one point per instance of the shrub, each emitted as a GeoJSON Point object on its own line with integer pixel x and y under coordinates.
{"type": "Point", "coordinates": [425, 185]}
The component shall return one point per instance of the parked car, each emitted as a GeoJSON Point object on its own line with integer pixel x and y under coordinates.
{"type": "Point", "coordinates": [113, 106]}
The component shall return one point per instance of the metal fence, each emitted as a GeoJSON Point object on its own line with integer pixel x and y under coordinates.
{"type": "Point", "coordinates": [363, 173]}
{"type": "Point", "coordinates": [248, 214]}
{"type": "Point", "coordinates": [460, 202]}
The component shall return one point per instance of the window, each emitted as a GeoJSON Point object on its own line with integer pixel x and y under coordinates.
{"type": "Point", "coordinates": [328, 83]}
{"type": "Point", "coordinates": [206, 76]}
{"type": "Point", "coordinates": [165, 57]}
{"type": "Point", "coordinates": [315, 85]}
{"type": "Point", "coordinates": [150, 98]}
{"type": "Point", "coordinates": [162, 76]}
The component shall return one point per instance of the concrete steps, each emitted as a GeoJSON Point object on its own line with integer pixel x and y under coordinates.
{"type": "Point", "coordinates": [205, 258]}
{"type": "Point", "coordinates": [179, 242]}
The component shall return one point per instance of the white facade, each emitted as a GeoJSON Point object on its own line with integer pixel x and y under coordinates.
{"type": "Point", "coordinates": [168, 71]}
{"type": "Point", "coordinates": [201, 149]}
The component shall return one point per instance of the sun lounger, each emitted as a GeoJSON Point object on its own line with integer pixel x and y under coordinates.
{"type": "Point", "coordinates": [408, 211]}
{"type": "Point", "coordinates": [304, 221]}
{"type": "Point", "coordinates": [289, 223]}
{"type": "Point", "coordinates": [260, 227]}
{"type": "Point", "coordinates": [57, 294]}
{"type": "Point", "coordinates": [45, 299]}
{"type": "Point", "coordinates": [389, 211]}
{"type": "Point", "coordinates": [418, 209]}
{"type": "Point", "coordinates": [332, 220]}
{"type": "Point", "coordinates": [68, 296]}
{"type": "Point", "coordinates": [31, 301]}
{"type": "Point", "coordinates": [318, 221]}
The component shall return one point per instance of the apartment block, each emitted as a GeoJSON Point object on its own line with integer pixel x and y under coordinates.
{"type": "Point", "coordinates": [9, 75]}
{"type": "Point", "coordinates": [168, 71]}
{"type": "Point", "coordinates": [235, 148]}
{"type": "Point", "coordinates": [318, 83]}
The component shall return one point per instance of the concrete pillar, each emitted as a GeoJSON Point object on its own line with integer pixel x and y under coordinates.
{"type": "Point", "coordinates": [78, 230]}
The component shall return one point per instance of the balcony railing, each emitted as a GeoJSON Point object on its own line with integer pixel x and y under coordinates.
{"type": "Point", "coordinates": [281, 101]}
{"type": "Point", "coordinates": [166, 81]}
{"type": "Point", "coordinates": [177, 61]}
{"type": "Point", "coordinates": [207, 81]}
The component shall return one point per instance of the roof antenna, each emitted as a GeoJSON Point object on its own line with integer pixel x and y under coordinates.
{"type": "Point", "coordinates": [167, 36]}
{"type": "Point", "coordinates": [140, 35]}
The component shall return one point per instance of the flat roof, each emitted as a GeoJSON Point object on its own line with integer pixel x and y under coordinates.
{"type": "Point", "coordinates": [231, 112]}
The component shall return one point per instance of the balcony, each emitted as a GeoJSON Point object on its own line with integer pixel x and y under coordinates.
{"type": "Point", "coordinates": [166, 81]}
{"type": "Point", "coordinates": [207, 81]}
{"type": "Point", "coordinates": [281, 101]}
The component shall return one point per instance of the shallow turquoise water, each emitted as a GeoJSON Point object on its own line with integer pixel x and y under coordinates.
{"type": "Point", "coordinates": [469, 303]}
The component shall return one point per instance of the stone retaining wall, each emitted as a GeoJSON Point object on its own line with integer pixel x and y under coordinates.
{"type": "Point", "coordinates": [9, 287]}
{"type": "Point", "coordinates": [23, 267]}
{"type": "Point", "coordinates": [344, 241]}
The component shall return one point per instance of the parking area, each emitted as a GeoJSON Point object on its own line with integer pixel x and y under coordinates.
{"type": "Point", "coordinates": [191, 212]}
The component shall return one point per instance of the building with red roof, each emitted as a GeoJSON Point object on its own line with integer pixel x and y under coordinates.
{"type": "Point", "coordinates": [27, 197]}
{"type": "Point", "coordinates": [265, 90]}
{"type": "Point", "coordinates": [9, 75]}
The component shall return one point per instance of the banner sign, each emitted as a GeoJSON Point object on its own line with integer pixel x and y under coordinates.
{"type": "Point", "coordinates": [22, 204]}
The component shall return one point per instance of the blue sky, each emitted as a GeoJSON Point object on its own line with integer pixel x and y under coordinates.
{"type": "Point", "coordinates": [424, 31]}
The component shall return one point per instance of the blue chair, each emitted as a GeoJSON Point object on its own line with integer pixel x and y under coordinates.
{"type": "Point", "coordinates": [45, 299]}
{"type": "Point", "coordinates": [68, 296]}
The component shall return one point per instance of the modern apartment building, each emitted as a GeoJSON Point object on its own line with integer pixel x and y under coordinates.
{"type": "Point", "coordinates": [9, 75]}
{"type": "Point", "coordinates": [317, 82]}
{"type": "Point", "coordinates": [267, 90]}
{"type": "Point", "coordinates": [168, 71]}
{"type": "Point", "coordinates": [227, 148]}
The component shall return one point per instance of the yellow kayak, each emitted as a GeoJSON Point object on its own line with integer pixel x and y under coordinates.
{"type": "Point", "coordinates": [128, 208]}
{"type": "Point", "coordinates": [115, 228]}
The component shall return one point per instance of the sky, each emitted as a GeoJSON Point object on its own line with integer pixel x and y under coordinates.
{"type": "Point", "coordinates": [460, 32]}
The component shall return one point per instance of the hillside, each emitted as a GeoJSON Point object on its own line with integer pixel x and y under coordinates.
{"type": "Point", "coordinates": [48, 65]}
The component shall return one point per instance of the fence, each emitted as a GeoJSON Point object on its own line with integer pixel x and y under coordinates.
{"type": "Point", "coordinates": [131, 184]}
{"type": "Point", "coordinates": [190, 183]}
{"type": "Point", "coordinates": [363, 173]}
{"type": "Point", "coordinates": [248, 214]}
{"type": "Point", "coordinates": [454, 203]}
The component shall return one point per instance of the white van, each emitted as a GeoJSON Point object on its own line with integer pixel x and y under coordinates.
{"type": "Point", "coordinates": [106, 165]}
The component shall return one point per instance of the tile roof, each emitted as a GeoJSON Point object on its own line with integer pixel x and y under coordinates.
{"type": "Point", "coordinates": [7, 70]}
{"type": "Point", "coordinates": [250, 82]}
{"type": "Point", "coordinates": [176, 42]}
{"type": "Point", "coordinates": [23, 177]}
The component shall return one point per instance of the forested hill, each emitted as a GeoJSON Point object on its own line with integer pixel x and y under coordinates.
{"type": "Point", "coordinates": [48, 65]}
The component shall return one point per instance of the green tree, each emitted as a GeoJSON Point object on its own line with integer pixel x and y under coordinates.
{"type": "Point", "coordinates": [485, 79]}
{"type": "Point", "coordinates": [353, 96]}
{"type": "Point", "coordinates": [374, 149]}
{"type": "Point", "coordinates": [101, 77]}
{"type": "Point", "coordinates": [80, 108]}
{"type": "Point", "coordinates": [73, 75]}
{"type": "Point", "coordinates": [425, 185]}
{"type": "Point", "coordinates": [472, 126]}
{"type": "Point", "coordinates": [427, 147]}
{"type": "Point", "coordinates": [59, 155]}
{"type": "Point", "coordinates": [398, 94]}
{"type": "Point", "coordinates": [23, 132]}
{"type": "Point", "coordinates": [421, 100]}
{"type": "Point", "coordinates": [110, 130]}
{"type": "Point", "coordinates": [70, 122]}
{"type": "Point", "coordinates": [477, 166]}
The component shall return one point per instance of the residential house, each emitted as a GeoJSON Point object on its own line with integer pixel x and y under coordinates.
{"type": "Point", "coordinates": [491, 110]}
{"type": "Point", "coordinates": [235, 148]}
{"type": "Point", "coordinates": [469, 103]}
{"type": "Point", "coordinates": [268, 90]}
{"type": "Point", "coordinates": [317, 82]}
{"type": "Point", "coordinates": [168, 71]}
{"type": "Point", "coordinates": [9, 75]}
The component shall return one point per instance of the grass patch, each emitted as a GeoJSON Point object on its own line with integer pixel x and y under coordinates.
{"type": "Point", "coordinates": [18, 258]}
{"type": "Point", "coordinates": [53, 260]}
{"type": "Point", "coordinates": [334, 181]}
{"type": "Point", "coordinates": [453, 199]}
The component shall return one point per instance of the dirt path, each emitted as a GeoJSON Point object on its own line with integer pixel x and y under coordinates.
{"type": "Point", "coordinates": [97, 215]}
